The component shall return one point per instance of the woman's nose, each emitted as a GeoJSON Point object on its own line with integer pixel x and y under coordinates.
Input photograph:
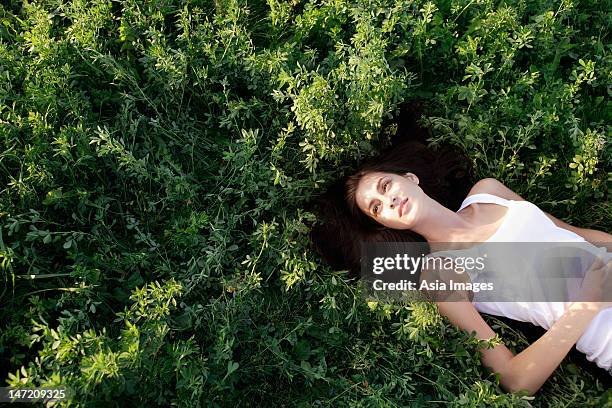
{"type": "Point", "coordinates": [394, 201]}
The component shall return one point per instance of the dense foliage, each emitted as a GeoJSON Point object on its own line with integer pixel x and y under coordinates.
{"type": "Point", "coordinates": [157, 158]}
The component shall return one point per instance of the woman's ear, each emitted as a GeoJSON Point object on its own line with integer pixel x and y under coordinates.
{"type": "Point", "coordinates": [412, 177]}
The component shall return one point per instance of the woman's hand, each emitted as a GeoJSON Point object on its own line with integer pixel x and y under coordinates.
{"type": "Point", "coordinates": [596, 286]}
{"type": "Point", "coordinates": [530, 368]}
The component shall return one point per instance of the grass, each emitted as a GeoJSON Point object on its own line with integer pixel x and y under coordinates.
{"type": "Point", "coordinates": [156, 162]}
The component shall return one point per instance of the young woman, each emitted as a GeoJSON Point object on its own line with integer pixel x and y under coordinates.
{"type": "Point", "coordinates": [406, 195]}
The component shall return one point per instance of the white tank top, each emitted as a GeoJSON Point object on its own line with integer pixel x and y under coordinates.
{"type": "Point", "coordinates": [525, 222]}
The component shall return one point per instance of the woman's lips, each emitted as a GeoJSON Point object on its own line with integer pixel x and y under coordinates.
{"type": "Point", "coordinates": [402, 207]}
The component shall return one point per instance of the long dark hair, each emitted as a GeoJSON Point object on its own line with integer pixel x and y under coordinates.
{"type": "Point", "coordinates": [444, 174]}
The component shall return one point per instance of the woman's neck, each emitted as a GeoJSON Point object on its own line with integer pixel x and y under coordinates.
{"type": "Point", "coordinates": [439, 224]}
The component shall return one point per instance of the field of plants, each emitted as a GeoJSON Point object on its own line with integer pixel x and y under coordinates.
{"type": "Point", "coordinates": [157, 159]}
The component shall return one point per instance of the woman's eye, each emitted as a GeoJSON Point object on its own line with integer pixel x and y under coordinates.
{"type": "Point", "coordinates": [386, 186]}
{"type": "Point", "coordinates": [376, 209]}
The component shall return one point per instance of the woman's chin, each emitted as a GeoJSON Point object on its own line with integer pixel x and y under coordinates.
{"type": "Point", "coordinates": [409, 216]}
{"type": "Point", "coordinates": [404, 224]}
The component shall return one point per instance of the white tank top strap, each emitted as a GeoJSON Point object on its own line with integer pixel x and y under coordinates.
{"type": "Point", "coordinates": [484, 198]}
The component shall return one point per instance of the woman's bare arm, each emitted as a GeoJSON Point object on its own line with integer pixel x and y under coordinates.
{"type": "Point", "coordinates": [595, 237]}
{"type": "Point", "coordinates": [493, 186]}
{"type": "Point", "coordinates": [529, 369]}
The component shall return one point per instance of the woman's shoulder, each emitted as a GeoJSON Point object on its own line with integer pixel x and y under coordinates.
{"type": "Point", "coordinates": [495, 187]}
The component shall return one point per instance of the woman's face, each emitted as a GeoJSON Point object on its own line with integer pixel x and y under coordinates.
{"type": "Point", "coordinates": [393, 200]}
